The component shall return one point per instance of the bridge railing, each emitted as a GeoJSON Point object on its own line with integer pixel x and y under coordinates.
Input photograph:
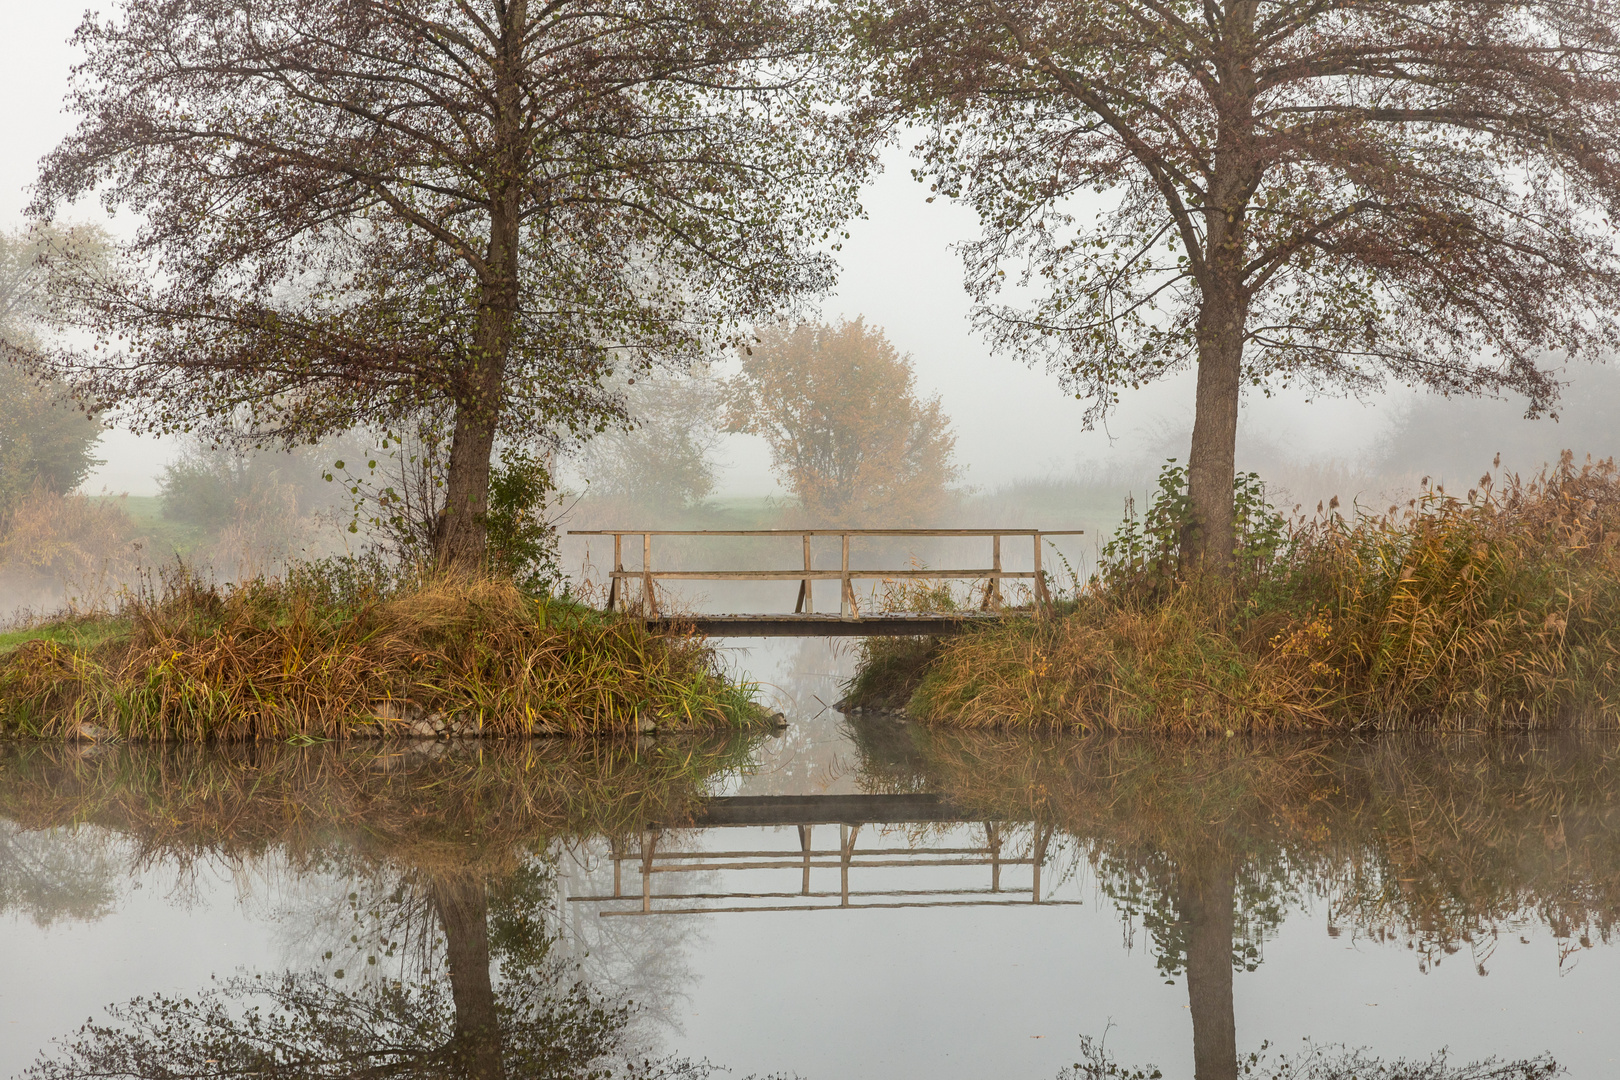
{"type": "Point", "coordinates": [808, 574]}
{"type": "Point", "coordinates": [765, 864]}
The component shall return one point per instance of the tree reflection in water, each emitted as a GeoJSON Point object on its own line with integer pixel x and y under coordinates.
{"type": "Point", "coordinates": [458, 840]}
{"type": "Point", "coordinates": [533, 1020]}
{"type": "Point", "coordinates": [1322, 1063]}
{"type": "Point", "coordinates": [1206, 846]}
{"type": "Point", "coordinates": [1443, 841]}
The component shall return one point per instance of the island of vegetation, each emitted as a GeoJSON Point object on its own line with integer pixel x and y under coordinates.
{"type": "Point", "coordinates": [1499, 606]}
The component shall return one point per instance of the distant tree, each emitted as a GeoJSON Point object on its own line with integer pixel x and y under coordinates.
{"type": "Point", "coordinates": [849, 436]}
{"type": "Point", "coordinates": [1334, 192]}
{"type": "Point", "coordinates": [207, 483]}
{"type": "Point", "coordinates": [354, 210]}
{"type": "Point", "coordinates": [46, 440]}
{"type": "Point", "coordinates": [1455, 442]}
{"type": "Point", "coordinates": [662, 458]}
{"type": "Point", "coordinates": [54, 875]}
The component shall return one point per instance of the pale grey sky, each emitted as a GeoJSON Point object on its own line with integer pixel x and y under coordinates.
{"type": "Point", "coordinates": [899, 271]}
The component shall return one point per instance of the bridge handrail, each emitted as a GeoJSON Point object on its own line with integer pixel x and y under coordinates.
{"type": "Point", "coordinates": [807, 574]}
{"type": "Point", "coordinates": [826, 532]}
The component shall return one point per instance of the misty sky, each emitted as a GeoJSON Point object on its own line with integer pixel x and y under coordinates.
{"type": "Point", "coordinates": [899, 271]}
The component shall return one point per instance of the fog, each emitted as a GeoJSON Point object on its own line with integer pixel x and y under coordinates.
{"type": "Point", "coordinates": [1027, 457]}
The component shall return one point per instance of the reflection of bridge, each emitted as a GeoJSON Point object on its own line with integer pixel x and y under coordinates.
{"type": "Point", "coordinates": [850, 813]}
{"type": "Point", "coordinates": [804, 622]}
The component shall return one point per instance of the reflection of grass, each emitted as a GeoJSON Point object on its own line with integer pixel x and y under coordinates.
{"type": "Point", "coordinates": [279, 660]}
{"type": "Point", "coordinates": [428, 804]}
{"type": "Point", "coordinates": [1503, 608]}
{"type": "Point", "coordinates": [1434, 838]}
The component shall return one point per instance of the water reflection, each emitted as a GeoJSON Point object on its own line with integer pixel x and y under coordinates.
{"type": "Point", "coordinates": [1444, 842]}
{"type": "Point", "coordinates": [535, 909]}
{"type": "Point", "coordinates": [439, 959]}
{"type": "Point", "coordinates": [454, 1021]}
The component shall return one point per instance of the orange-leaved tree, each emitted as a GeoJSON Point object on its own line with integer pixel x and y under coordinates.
{"type": "Point", "coordinates": [848, 433]}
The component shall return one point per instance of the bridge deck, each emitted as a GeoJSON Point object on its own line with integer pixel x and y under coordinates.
{"type": "Point", "coordinates": [884, 625]}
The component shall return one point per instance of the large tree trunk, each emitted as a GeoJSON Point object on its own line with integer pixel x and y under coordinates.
{"type": "Point", "coordinates": [463, 531]}
{"type": "Point", "coordinates": [1208, 909]}
{"type": "Point", "coordinates": [462, 906]}
{"type": "Point", "coordinates": [1208, 542]}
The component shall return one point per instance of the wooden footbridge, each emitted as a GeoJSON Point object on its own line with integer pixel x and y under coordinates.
{"type": "Point", "coordinates": [705, 845]}
{"type": "Point", "coordinates": [849, 621]}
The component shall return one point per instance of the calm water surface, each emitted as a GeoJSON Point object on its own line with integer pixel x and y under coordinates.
{"type": "Point", "coordinates": [851, 898]}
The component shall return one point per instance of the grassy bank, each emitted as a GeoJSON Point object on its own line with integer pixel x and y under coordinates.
{"type": "Point", "coordinates": [318, 656]}
{"type": "Point", "coordinates": [1498, 608]}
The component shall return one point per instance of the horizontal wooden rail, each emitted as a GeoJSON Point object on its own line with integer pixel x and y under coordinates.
{"type": "Point", "coordinates": [818, 575]}
{"type": "Point", "coordinates": [826, 532]}
{"type": "Point", "coordinates": [807, 574]}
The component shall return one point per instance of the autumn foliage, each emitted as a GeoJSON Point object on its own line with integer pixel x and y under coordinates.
{"type": "Point", "coordinates": [848, 433]}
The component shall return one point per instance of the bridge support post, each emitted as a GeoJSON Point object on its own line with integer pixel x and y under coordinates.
{"type": "Point", "coordinates": [846, 606]}
{"type": "Point", "coordinates": [649, 843]}
{"type": "Point", "coordinates": [806, 604]}
{"type": "Point", "coordinates": [1041, 596]}
{"type": "Point", "coordinates": [615, 590]}
{"type": "Point", "coordinates": [992, 838]}
{"type": "Point", "coordinates": [994, 598]}
{"type": "Point", "coordinates": [846, 854]}
{"type": "Point", "coordinates": [649, 599]}
{"type": "Point", "coordinates": [804, 843]}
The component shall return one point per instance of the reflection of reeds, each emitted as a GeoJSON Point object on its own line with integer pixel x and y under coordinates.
{"type": "Point", "coordinates": [1437, 839]}
{"type": "Point", "coordinates": [277, 660]}
{"type": "Point", "coordinates": [1499, 608]}
{"type": "Point", "coordinates": [432, 805]}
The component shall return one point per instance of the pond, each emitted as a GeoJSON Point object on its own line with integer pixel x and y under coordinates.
{"type": "Point", "coordinates": [853, 897]}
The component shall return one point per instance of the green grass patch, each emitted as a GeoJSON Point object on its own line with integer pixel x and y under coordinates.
{"type": "Point", "coordinates": [85, 633]}
{"type": "Point", "coordinates": [161, 537]}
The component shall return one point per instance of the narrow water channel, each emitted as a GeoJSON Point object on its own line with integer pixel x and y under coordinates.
{"type": "Point", "coordinates": [851, 897]}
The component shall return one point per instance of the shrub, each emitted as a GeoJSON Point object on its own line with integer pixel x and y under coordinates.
{"type": "Point", "coordinates": [54, 542]}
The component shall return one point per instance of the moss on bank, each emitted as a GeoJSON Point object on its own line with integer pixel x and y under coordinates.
{"type": "Point", "coordinates": [1502, 608]}
{"type": "Point", "coordinates": [307, 659]}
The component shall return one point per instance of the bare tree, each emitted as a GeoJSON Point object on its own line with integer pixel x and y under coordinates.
{"type": "Point", "coordinates": [1327, 192]}
{"type": "Point", "coordinates": [355, 209]}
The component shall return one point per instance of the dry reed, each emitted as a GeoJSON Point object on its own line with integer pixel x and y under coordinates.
{"type": "Point", "coordinates": [288, 660]}
{"type": "Point", "coordinates": [1499, 608]}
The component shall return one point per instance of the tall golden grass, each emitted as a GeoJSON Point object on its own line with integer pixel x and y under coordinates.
{"type": "Point", "coordinates": [289, 659]}
{"type": "Point", "coordinates": [1500, 607]}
